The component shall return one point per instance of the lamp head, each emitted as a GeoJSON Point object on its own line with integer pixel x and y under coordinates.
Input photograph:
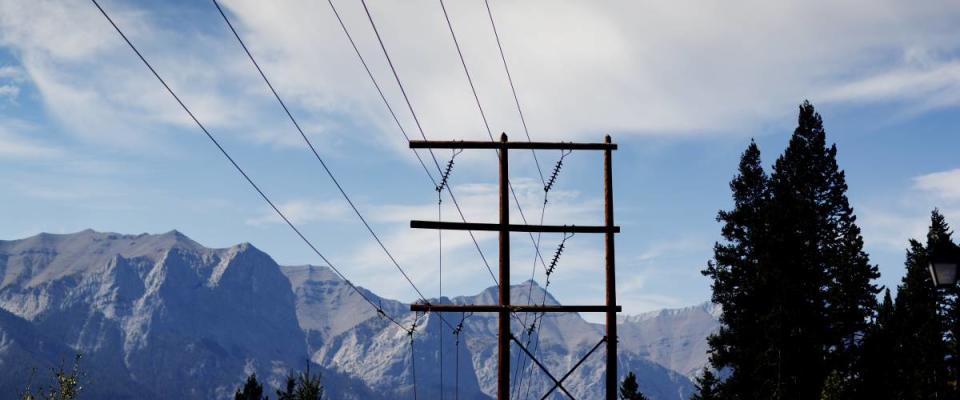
{"type": "Point", "coordinates": [944, 263]}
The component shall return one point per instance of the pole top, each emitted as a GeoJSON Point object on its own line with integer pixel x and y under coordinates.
{"type": "Point", "coordinates": [503, 137]}
{"type": "Point", "coordinates": [606, 139]}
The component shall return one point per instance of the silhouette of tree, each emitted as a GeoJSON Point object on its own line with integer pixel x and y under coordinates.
{"type": "Point", "coordinates": [791, 276]}
{"type": "Point", "coordinates": [302, 386]}
{"type": "Point", "coordinates": [629, 389]}
{"type": "Point", "coordinates": [707, 386]}
{"type": "Point", "coordinates": [251, 390]}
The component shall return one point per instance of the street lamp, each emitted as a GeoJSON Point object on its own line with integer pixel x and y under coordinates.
{"type": "Point", "coordinates": [944, 263]}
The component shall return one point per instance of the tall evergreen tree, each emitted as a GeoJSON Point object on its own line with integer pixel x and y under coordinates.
{"type": "Point", "coordinates": [922, 370]}
{"type": "Point", "coordinates": [736, 275]}
{"type": "Point", "coordinates": [823, 278]}
{"type": "Point", "coordinates": [880, 355]}
{"type": "Point", "coordinates": [629, 389]}
{"type": "Point", "coordinates": [707, 386]}
{"type": "Point", "coordinates": [792, 277]}
{"type": "Point", "coordinates": [302, 386]}
{"type": "Point", "coordinates": [941, 238]}
{"type": "Point", "coordinates": [251, 390]}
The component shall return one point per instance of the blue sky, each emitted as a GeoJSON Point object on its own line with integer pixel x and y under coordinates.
{"type": "Point", "coordinates": [89, 139]}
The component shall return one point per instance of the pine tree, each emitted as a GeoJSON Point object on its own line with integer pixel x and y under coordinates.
{"type": "Point", "coordinates": [251, 390]}
{"type": "Point", "coordinates": [302, 386]}
{"type": "Point", "coordinates": [922, 370]}
{"type": "Point", "coordinates": [941, 238]}
{"type": "Point", "coordinates": [791, 276]}
{"type": "Point", "coordinates": [824, 292]}
{"type": "Point", "coordinates": [707, 386]}
{"type": "Point", "coordinates": [737, 285]}
{"type": "Point", "coordinates": [629, 389]}
{"type": "Point", "coordinates": [880, 355]}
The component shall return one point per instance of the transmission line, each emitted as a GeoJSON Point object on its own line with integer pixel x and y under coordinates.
{"type": "Point", "coordinates": [366, 68]}
{"type": "Point", "coordinates": [513, 89]}
{"type": "Point", "coordinates": [449, 190]}
{"type": "Point", "coordinates": [315, 152]}
{"type": "Point", "coordinates": [249, 180]}
{"type": "Point", "coordinates": [483, 116]}
{"type": "Point", "coordinates": [476, 97]}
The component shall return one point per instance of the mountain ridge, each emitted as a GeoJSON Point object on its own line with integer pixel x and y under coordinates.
{"type": "Point", "coordinates": [134, 303]}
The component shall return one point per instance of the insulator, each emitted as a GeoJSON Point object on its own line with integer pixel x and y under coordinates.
{"type": "Point", "coordinates": [446, 173]}
{"type": "Point", "coordinates": [556, 171]}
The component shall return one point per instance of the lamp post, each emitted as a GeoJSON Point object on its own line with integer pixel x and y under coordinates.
{"type": "Point", "coordinates": [944, 264]}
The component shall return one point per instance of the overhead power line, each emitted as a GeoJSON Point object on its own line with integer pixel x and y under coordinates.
{"type": "Point", "coordinates": [513, 89]}
{"type": "Point", "coordinates": [366, 67]}
{"type": "Point", "coordinates": [315, 153]}
{"type": "Point", "coordinates": [406, 98]}
{"type": "Point", "coordinates": [244, 174]}
{"type": "Point", "coordinates": [546, 187]}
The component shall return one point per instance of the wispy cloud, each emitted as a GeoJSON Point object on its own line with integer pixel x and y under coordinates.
{"type": "Point", "coordinates": [648, 68]}
{"type": "Point", "coordinates": [907, 217]}
{"type": "Point", "coordinates": [10, 79]}
{"type": "Point", "coordinates": [303, 212]}
{"type": "Point", "coordinates": [944, 185]}
{"type": "Point", "coordinates": [15, 143]}
{"type": "Point", "coordinates": [631, 68]}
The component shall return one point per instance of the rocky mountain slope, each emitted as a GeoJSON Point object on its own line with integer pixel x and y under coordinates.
{"type": "Point", "coordinates": [160, 316]}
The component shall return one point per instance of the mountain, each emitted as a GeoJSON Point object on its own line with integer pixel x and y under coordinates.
{"type": "Point", "coordinates": [673, 338]}
{"type": "Point", "coordinates": [180, 320]}
{"type": "Point", "coordinates": [160, 316]}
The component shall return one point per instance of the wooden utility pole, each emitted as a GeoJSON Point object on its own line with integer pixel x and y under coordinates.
{"type": "Point", "coordinates": [503, 320]}
{"type": "Point", "coordinates": [503, 308]}
{"type": "Point", "coordinates": [611, 284]}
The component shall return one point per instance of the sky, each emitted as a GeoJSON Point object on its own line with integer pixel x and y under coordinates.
{"type": "Point", "coordinates": [90, 139]}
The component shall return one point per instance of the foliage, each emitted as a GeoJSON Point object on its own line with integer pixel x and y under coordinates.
{"type": "Point", "coordinates": [794, 283]}
{"type": "Point", "coordinates": [629, 389]}
{"type": "Point", "coordinates": [66, 385]}
{"type": "Point", "coordinates": [251, 390]}
{"type": "Point", "coordinates": [302, 386]}
{"type": "Point", "coordinates": [298, 386]}
{"type": "Point", "coordinates": [707, 386]}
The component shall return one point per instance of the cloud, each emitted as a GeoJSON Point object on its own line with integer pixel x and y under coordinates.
{"type": "Point", "coordinates": [417, 250]}
{"type": "Point", "coordinates": [9, 91]}
{"type": "Point", "coordinates": [891, 226]}
{"type": "Point", "coordinates": [944, 185]}
{"type": "Point", "coordinates": [16, 145]}
{"type": "Point", "coordinates": [303, 212]}
{"type": "Point", "coordinates": [584, 68]}
{"type": "Point", "coordinates": [581, 68]}
{"type": "Point", "coordinates": [11, 72]}
{"type": "Point", "coordinates": [10, 77]}
{"type": "Point", "coordinates": [95, 87]}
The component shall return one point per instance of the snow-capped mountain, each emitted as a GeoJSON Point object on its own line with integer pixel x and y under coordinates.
{"type": "Point", "coordinates": [160, 316]}
{"type": "Point", "coordinates": [673, 338]}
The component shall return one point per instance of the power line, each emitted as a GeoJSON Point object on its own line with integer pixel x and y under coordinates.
{"type": "Point", "coordinates": [453, 198]}
{"type": "Point", "coordinates": [513, 88]}
{"type": "Point", "coordinates": [363, 61]}
{"type": "Point", "coordinates": [476, 97]}
{"type": "Point", "coordinates": [315, 153]}
{"type": "Point", "coordinates": [243, 173]}
{"type": "Point", "coordinates": [523, 121]}
{"type": "Point", "coordinates": [486, 124]}
{"type": "Point", "coordinates": [448, 188]}
{"type": "Point", "coordinates": [379, 90]}
{"type": "Point", "coordinates": [322, 163]}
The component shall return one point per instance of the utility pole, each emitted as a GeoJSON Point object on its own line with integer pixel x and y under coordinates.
{"type": "Point", "coordinates": [503, 308]}
{"type": "Point", "coordinates": [611, 284]}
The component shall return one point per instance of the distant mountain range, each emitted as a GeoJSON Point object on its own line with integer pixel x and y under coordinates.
{"type": "Point", "coordinates": [161, 317]}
